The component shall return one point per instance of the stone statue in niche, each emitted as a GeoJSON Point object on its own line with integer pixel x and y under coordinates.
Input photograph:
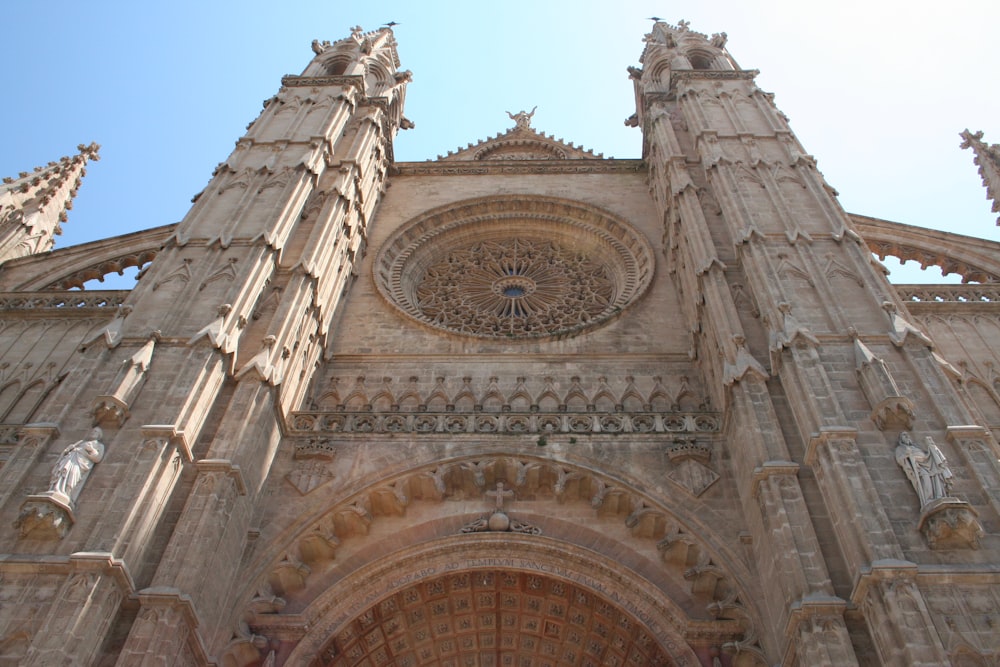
{"type": "Point", "coordinates": [927, 471]}
{"type": "Point", "coordinates": [75, 464]}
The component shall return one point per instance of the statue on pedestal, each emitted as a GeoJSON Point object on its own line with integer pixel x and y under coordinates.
{"type": "Point", "coordinates": [50, 514]}
{"type": "Point", "coordinates": [75, 464]}
{"type": "Point", "coordinates": [927, 471]}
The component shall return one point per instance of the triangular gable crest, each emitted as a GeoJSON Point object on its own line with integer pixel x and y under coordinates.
{"type": "Point", "coordinates": [521, 142]}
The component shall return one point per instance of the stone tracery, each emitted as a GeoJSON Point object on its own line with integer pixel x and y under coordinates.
{"type": "Point", "coordinates": [516, 287]}
{"type": "Point", "coordinates": [514, 268]}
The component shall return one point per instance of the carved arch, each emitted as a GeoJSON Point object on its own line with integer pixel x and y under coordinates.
{"type": "Point", "coordinates": [696, 569]}
{"type": "Point", "coordinates": [337, 64]}
{"type": "Point", "coordinates": [589, 579]}
{"type": "Point", "coordinates": [379, 70]}
{"type": "Point", "coordinates": [976, 260]}
{"type": "Point", "coordinates": [986, 400]}
{"type": "Point", "coordinates": [71, 267]}
{"type": "Point", "coordinates": [700, 58]}
{"type": "Point", "coordinates": [9, 393]}
{"type": "Point", "coordinates": [26, 403]}
{"type": "Point", "coordinates": [967, 656]}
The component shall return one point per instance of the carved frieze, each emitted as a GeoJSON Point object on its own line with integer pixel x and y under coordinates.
{"type": "Point", "coordinates": [354, 81]}
{"type": "Point", "coordinates": [426, 423]}
{"type": "Point", "coordinates": [65, 302]}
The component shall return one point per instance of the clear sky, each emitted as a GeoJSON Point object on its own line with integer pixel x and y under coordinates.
{"type": "Point", "coordinates": [877, 90]}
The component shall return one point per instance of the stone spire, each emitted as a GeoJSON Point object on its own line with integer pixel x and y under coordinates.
{"type": "Point", "coordinates": [33, 205]}
{"type": "Point", "coordinates": [988, 160]}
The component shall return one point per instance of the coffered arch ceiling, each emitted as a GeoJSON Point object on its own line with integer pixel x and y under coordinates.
{"type": "Point", "coordinates": [399, 529]}
{"type": "Point", "coordinates": [500, 599]}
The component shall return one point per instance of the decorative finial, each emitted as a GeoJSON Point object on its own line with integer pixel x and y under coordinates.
{"type": "Point", "coordinates": [987, 158]}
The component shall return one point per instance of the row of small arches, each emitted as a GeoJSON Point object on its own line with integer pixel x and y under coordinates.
{"type": "Point", "coordinates": [601, 397]}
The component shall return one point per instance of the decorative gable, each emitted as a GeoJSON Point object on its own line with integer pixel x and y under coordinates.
{"type": "Point", "coordinates": [521, 142]}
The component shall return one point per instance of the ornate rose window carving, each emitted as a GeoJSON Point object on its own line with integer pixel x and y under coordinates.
{"type": "Point", "coordinates": [514, 268]}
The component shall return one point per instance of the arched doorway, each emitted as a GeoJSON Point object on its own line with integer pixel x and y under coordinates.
{"type": "Point", "coordinates": [497, 599]}
{"type": "Point", "coordinates": [408, 571]}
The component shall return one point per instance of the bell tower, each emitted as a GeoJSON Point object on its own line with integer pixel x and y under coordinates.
{"type": "Point", "coordinates": [779, 292]}
{"type": "Point", "coordinates": [217, 340]}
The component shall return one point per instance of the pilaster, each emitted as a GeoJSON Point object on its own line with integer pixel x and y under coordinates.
{"type": "Point", "coordinates": [32, 441]}
{"type": "Point", "coordinates": [864, 532]}
{"type": "Point", "coordinates": [89, 588]}
{"type": "Point", "coordinates": [897, 616]}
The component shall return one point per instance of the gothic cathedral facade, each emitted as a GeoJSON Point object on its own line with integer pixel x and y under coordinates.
{"type": "Point", "coordinates": [527, 407]}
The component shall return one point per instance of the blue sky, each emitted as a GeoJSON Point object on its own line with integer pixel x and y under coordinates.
{"type": "Point", "coordinates": [877, 91]}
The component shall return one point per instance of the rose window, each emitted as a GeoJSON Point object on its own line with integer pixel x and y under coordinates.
{"type": "Point", "coordinates": [514, 287]}
{"type": "Point", "coordinates": [514, 274]}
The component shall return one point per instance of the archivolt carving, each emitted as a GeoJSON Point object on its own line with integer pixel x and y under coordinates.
{"type": "Point", "coordinates": [514, 268]}
{"type": "Point", "coordinates": [703, 581]}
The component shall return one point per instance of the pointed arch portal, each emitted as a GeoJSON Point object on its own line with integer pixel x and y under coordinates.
{"type": "Point", "coordinates": [495, 599]}
{"type": "Point", "coordinates": [406, 572]}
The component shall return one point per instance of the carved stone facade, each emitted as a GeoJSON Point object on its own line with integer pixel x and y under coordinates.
{"type": "Point", "coordinates": [529, 406]}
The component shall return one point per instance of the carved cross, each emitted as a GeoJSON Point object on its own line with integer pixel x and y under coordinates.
{"type": "Point", "coordinates": [500, 494]}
